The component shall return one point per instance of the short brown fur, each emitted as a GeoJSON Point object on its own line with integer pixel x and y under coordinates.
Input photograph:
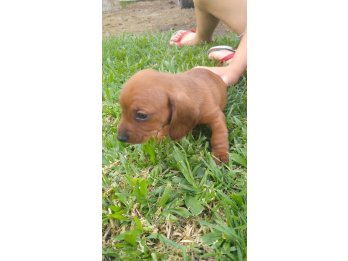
{"type": "Point", "coordinates": [173, 104]}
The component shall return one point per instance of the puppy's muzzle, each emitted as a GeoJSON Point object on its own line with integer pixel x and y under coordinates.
{"type": "Point", "coordinates": [122, 136]}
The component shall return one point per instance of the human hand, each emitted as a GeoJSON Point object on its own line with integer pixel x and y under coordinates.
{"type": "Point", "coordinates": [228, 73]}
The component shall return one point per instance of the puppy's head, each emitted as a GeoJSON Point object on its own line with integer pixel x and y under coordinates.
{"type": "Point", "coordinates": [152, 108]}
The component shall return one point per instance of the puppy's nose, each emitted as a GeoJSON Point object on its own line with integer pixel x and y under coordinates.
{"type": "Point", "coordinates": [122, 137]}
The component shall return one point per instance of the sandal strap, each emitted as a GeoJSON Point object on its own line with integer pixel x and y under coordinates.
{"type": "Point", "coordinates": [182, 34]}
{"type": "Point", "coordinates": [220, 48]}
{"type": "Point", "coordinates": [227, 57]}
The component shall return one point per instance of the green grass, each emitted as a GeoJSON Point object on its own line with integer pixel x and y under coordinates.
{"type": "Point", "coordinates": [169, 200]}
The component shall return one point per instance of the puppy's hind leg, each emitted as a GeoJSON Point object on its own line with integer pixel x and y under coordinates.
{"type": "Point", "coordinates": [219, 139]}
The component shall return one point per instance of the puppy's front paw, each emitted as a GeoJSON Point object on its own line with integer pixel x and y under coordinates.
{"type": "Point", "coordinates": [221, 156]}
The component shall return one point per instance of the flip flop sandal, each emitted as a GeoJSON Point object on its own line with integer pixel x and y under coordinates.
{"type": "Point", "coordinates": [182, 33]}
{"type": "Point", "coordinates": [223, 47]}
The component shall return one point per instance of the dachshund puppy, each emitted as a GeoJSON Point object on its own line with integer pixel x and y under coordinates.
{"type": "Point", "coordinates": [157, 104]}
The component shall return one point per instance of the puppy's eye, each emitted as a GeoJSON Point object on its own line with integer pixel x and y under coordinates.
{"type": "Point", "coordinates": [140, 116]}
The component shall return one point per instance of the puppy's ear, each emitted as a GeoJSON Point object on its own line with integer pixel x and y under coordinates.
{"type": "Point", "coordinates": [184, 115]}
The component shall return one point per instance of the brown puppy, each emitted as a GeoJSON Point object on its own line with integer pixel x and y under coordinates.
{"type": "Point", "coordinates": [156, 104]}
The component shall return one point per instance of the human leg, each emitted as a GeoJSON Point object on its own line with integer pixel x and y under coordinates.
{"type": "Point", "coordinates": [205, 26]}
{"type": "Point", "coordinates": [232, 13]}
{"type": "Point", "coordinates": [236, 66]}
{"type": "Point", "coordinates": [208, 14]}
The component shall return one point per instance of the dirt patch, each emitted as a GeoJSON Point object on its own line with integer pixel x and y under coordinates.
{"type": "Point", "coordinates": [147, 16]}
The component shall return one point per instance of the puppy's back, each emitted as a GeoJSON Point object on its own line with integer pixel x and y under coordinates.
{"type": "Point", "coordinates": [207, 84]}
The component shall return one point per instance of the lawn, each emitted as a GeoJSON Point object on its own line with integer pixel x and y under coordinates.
{"type": "Point", "coordinates": [169, 200]}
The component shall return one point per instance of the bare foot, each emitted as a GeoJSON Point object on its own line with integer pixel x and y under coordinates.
{"type": "Point", "coordinates": [220, 55]}
{"type": "Point", "coordinates": [185, 37]}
